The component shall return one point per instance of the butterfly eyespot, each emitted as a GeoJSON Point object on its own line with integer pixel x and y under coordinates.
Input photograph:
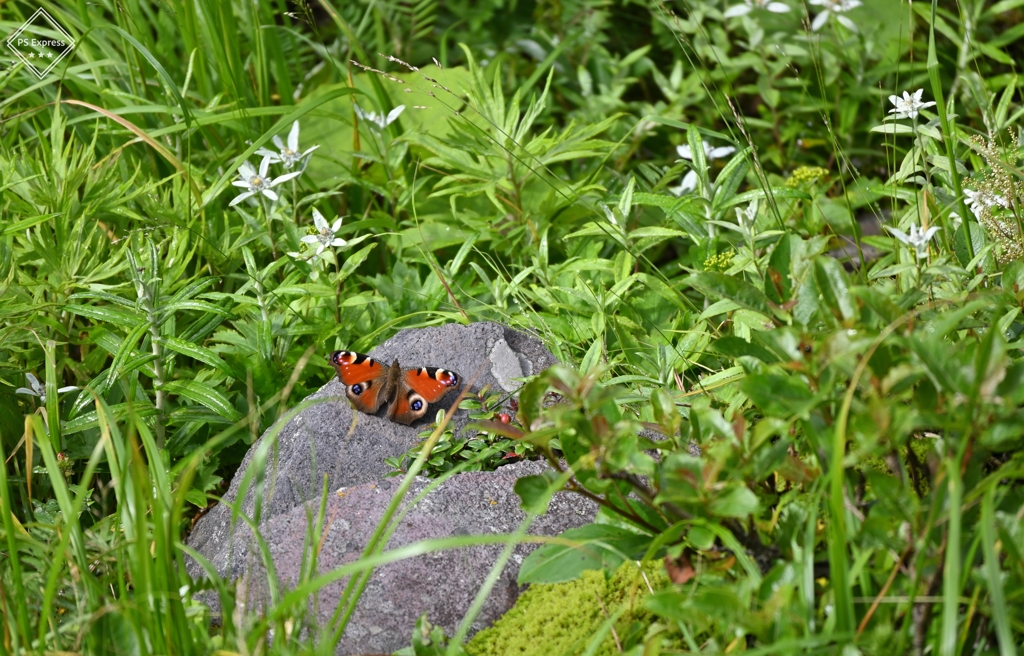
{"type": "Point", "coordinates": [356, 389]}
{"type": "Point", "coordinates": [417, 405]}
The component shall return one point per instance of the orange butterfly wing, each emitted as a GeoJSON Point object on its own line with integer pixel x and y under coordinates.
{"type": "Point", "coordinates": [364, 379]}
{"type": "Point", "coordinates": [421, 387]}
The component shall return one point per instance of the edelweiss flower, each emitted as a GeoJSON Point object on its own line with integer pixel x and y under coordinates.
{"type": "Point", "coordinates": [908, 105]}
{"type": "Point", "coordinates": [836, 8]}
{"type": "Point", "coordinates": [750, 5]}
{"type": "Point", "coordinates": [39, 389]}
{"type": "Point", "coordinates": [258, 182]}
{"type": "Point", "coordinates": [325, 235]}
{"type": "Point", "coordinates": [979, 200]}
{"type": "Point", "coordinates": [689, 182]}
{"type": "Point", "coordinates": [917, 239]}
{"type": "Point", "coordinates": [289, 155]}
{"type": "Point", "coordinates": [379, 120]}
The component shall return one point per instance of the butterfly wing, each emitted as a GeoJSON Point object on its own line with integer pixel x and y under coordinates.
{"type": "Point", "coordinates": [418, 389]}
{"type": "Point", "coordinates": [364, 379]}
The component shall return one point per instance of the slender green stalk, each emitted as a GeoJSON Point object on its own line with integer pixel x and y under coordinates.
{"type": "Point", "coordinates": [948, 137]}
{"type": "Point", "coordinates": [953, 564]}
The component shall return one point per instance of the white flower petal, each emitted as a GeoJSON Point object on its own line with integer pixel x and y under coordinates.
{"type": "Point", "coordinates": [393, 114]}
{"type": "Point", "coordinates": [264, 167]}
{"type": "Point", "coordinates": [721, 151]}
{"type": "Point", "coordinates": [263, 152]}
{"type": "Point", "coordinates": [240, 183]}
{"type": "Point", "coordinates": [310, 239]}
{"type": "Point", "coordinates": [819, 20]}
{"type": "Point", "coordinates": [737, 10]}
{"type": "Point", "coordinates": [270, 194]}
{"type": "Point", "coordinates": [777, 7]}
{"type": "Point", "coordinates": [899, 234]}
{"type": "Point", "coordinates": [25, 390]}
{"type": "Point", "coordinates": [337, 225]}
{"type": "Point", "coordinates": [246, 170]}
{"type": "Point", "coordinates": [309, 150]}
{"type": "Point", "coordinates": [319, 221]}
{"type": "Point", "coordinates": [338, 241]}
{"type": "Point", "coordinates": [293, 137]}
{"type": "Point", "coordinates": [277, 142]}
{"type": "Point", "coordinates": [69, 388]}
{"type": "Point", "coordinates": [285, 178]}
{"type": "Point", "coordinates": [684, 151]}
{"type": "Point", "coordinates": [239, 198]}
{"type": "Point", "coordinates": [689, 183]}
{"type": "Point", "coordinates": [850, 25]}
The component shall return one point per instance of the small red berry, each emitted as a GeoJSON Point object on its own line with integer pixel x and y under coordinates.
{"type": "Point", "coordinates": [504, 418]}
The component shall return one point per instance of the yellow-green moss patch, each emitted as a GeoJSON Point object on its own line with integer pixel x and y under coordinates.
{"type": "Point", "coordinates": [561, 618]}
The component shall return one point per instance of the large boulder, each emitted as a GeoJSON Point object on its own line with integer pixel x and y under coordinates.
{"type": "Point", "coordinates": [442, 583]}
{"type": "Point", "coordinates": [280, 482]}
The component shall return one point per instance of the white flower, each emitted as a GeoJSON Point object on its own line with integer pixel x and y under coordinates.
{"type": "Point", "coordinates": [710, 152]}
{"type": "Point", "coordinates": [289, 155]}
{"type": "Point", "coordinates": [689, 182]}
{"type": "Point", "coordinates": [908, 105]}
{"type": "Point", "coordinates": [258, 182]}
{"type": "Point", "coordinates": [979, 200]}
{"type": "Point", "coordinates": [916, 239]}
{"type": "Point", "coordinates": [834, 7]}
{"type": "Point", "coordinates": [36, 388]}
{"type": "Point", "coordinates": [325, 236]}
{"type": "Point", "coordinates": [379, 120]}
{"type": "Point", "coordinates": [750, 5]}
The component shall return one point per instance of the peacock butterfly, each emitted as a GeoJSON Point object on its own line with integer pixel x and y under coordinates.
{"type": "Point", "coordinates": [408, 392]}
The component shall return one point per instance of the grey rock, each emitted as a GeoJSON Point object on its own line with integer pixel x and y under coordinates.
{"type": "Point", "coordinates": [280, 482]}
{"type": "Point", "coordinates": [442, 583]}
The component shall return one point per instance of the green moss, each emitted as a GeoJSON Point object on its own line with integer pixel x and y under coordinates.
{"type": "Point", "coordinates": [561, 618]}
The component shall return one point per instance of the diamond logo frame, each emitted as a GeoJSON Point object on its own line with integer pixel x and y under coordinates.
{"type": "Point", "coordinates": [30, 45]}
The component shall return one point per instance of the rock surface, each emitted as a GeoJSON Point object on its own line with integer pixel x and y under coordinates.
{"type": "Point", "coordinates": [329, 439]}
{"type": "Point", "coordinates": [441, 584]}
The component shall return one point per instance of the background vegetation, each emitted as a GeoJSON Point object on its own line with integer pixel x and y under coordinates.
{"type": "Point", "coordinates": [712, 216]}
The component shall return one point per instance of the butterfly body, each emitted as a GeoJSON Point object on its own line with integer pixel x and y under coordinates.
{"type": "Point", "coordinates": [408, 392]}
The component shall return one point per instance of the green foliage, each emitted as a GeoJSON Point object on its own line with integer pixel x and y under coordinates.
{"type": "Point", "coordinates": [679, 200]}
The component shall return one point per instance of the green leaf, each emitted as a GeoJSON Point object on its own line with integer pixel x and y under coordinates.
{"type": "Point", "coordinates": [600, 546]}
{"type": "Point", "coordinates": [778, 395]}
{"type": "Point", "coordinates": [735, 347]}
{"type": "Point", "coordinates": [106, 314]}
{"type": "Point", "coordinates": [893, 128]}
{"type": "Point", "coordinates": [737, 501]}
{"type": "Point", "coordinates": [732, 288]}
{"type": "Point", "coordinates": [197, 352]}
{"type": "Point", "coordinates": [204, 395]}
{"type": "Point", "coordinates": [964, 254]}
{"type": "Point", "coordinates": [832, 284]}
{"type": "Point", "coordinates": [535, 491]}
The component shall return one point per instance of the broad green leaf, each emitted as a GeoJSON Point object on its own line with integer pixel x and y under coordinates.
{"type": "Point", "coordinates": [204, 395]}
{"type": "Point", "coordinates": [197, 352]}
{"type": "Point", "coordinates": [733, 288]}
{"type": "Point", "coordinates": [600, 546]}
{"type": "Point", "coordinates": [106, 314]}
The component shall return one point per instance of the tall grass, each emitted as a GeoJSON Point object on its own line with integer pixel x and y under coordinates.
{"type": "Point", "coordinates": [190, 328]}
